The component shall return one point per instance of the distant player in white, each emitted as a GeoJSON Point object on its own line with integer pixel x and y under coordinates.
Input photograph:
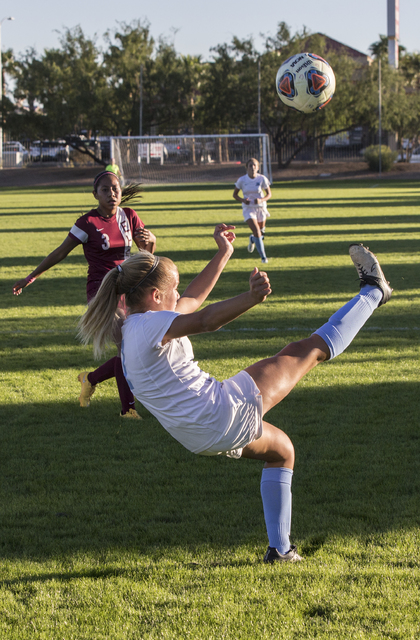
{"type": "Point", "coordinates": [255, 191]}
{"type": "Point", "coordinates": [206, 416]}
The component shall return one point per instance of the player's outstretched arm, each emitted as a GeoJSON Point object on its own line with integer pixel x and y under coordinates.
{"type": "Point", "coordinates": [198, 290]}
{"type": "Point", "coordinates": [53, 258]}
{"type": "Point", "coordinates": [216, 315]}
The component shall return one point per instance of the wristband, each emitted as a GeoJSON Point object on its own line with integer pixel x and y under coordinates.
{"type": "Point", "coordinates": [29, 280]}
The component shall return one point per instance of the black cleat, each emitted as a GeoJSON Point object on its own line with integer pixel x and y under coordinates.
{"type": "Point", "coordinates": [369, 270]}
{"type": "Point", "coordinates": [273, 555]}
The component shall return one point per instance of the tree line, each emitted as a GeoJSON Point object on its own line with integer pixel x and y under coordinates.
{"type": "Point", "coordinates": [134, 81]}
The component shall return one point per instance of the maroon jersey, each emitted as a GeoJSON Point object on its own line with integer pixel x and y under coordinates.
{"type": "Point", "coordinates": [106, 242]}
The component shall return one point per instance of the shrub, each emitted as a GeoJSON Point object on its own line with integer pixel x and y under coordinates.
{"type": "Point", "coordinates": [388, 157]}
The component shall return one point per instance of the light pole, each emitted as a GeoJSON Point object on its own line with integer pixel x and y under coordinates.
{"type": "Point", "coordinates": [141, 101]}
{"type": "Point", "coordinates": [1, 98]}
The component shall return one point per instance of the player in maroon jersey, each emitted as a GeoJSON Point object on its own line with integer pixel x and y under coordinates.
{"type": "Point", "coordinates": [107, 234]}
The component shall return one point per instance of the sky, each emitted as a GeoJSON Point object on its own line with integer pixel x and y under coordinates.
{"type": "Point", "coordinates": [195, 27]}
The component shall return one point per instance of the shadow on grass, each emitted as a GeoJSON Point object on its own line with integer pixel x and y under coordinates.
{"type": "Point", "coordinates": [330, 247]}
{"type": "Point", "coordinates": [245, 342]}
{"type": "Point", "coordinates": [85, 480]}
{"type": "Point", "coordinates": [297, 203]}
{"type": "Point", "coordinates": [30, 233]}
{"type": "Point", "coordinates": [34, 261]}
{"type": "Point", "coordinates": [98, 574]}
{"type": "Point", "coordinates": [321, 281]}
{"type": "Point", "coordinates": [42, 210]}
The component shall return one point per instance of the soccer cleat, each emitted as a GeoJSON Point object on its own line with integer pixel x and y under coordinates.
{"type": "Point", "coordinates": [87, 389]}
{"type": "Point", "coordinates": [273, 555]}
{"type": "Point", "coordinates": [264, 260]}
{"type": "Point", "coordinates": [263, 230]}
{"type": "Point", "coordinates": [251, 245]}
{"type": "Point", "coordinates": [131, 413]}
{"type": "Point", "coordinates": [369, 270]}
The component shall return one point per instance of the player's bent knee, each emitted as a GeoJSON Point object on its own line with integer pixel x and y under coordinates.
{"type": "Point", "coordinates": [285, 449]}
{"type": "Point", "coordinates": [274, 446]}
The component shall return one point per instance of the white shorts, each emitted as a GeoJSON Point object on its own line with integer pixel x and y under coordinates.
{"type": "Point", "coordinates": [245, 420]}
{"type": "Point", "coordinates": [255, 212]}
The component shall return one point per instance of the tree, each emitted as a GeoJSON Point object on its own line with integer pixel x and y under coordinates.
{"type": "Point", "coordinates": [228, 100]}
{"type": "Point", "coordinates": [168, 82]}
{"type": "Point", "coordinates": [8, 65]}
{"type": "Point", "coordinates": [379, 49]}
{"type": "Point", "coordinates": [62, 91]}
{"type": "Point", "coordinates": [77, 89]}
{"type": "Point", "coordinates": [400, 95]}
{"type": "Point", "coordinates": [171, 90]}
{"type": "Point", "coordinates": [229, 94]}
{"type": "Point", "coordinates": [128, 48]}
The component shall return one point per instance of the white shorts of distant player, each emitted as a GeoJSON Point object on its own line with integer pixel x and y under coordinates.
{"type": "Point", "coordinates": [257, 212]}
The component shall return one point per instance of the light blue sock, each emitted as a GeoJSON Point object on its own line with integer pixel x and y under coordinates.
{"type": "Point", "coordinates": [346, 323]}
{"type": "Point", "coordinates": [276, 496]}
{"type": "Point", "coordinates": [260, 247]}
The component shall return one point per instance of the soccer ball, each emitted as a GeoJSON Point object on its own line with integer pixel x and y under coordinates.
{"type": "Point", "coordinates": [305, 82]}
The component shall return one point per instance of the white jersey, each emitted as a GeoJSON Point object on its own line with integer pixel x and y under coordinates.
{"type": "Point", "coordinates": [195, 408]}
{"type": "Point", "coordinates": [253, 188]}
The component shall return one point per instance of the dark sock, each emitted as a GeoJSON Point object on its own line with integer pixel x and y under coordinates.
{"type": "Point", "coordinates": [104, 372]}
{"type": "Point", "coordinates": [126, 397]}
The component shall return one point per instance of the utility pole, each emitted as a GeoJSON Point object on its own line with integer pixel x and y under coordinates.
{"type": "Point", "coordinates": [141, 101]}
{"type": "Point", "coordinates": [259, 94]}
{"type": "Point", "coordinates": [380, 115]}
{"type": "Point", "coordinates": [393, 32]}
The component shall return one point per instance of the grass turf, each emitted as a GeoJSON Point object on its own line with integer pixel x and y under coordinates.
{"type": "Point", "coordinates": [110, 529]}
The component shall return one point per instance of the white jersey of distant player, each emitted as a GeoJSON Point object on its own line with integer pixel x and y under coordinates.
{"type": "Point", "coordinates": [253, 188]}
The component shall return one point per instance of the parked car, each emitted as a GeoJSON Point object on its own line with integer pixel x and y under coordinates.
{"type": "Point", "coordinates": [49, 151]}
{"type": "Point", "coordinates": [13, 146]}
{"type": "Point", "coordinates": [176, 151]}
{"type": "Point", "coordinates": [14, 154]}
{"type": "Point", "coordinates": [415, 156]}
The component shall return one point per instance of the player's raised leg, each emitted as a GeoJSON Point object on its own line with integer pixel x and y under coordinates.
{"type": "Point", "coordinates": [275, 377]}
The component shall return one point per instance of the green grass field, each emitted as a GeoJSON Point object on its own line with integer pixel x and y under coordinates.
{"type": "Point", "coordinates": [109, 529]}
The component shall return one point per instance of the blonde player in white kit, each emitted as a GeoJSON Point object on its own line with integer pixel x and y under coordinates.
{"type": "Point", "coordinates": [207, 416]}
{"type": "Point", "coordinates": [255, 191]}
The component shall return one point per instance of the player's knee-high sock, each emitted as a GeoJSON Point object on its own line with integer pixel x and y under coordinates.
{"type": "Point", "coordinates": [104, 372]}
{"type": "Point", "coordinates": [259, 243]}
{"type": "Point", "coordinates": [346, 323]}
{"type": "Point", "coordinates": [276, 494]}
{"type": "Point", "coordinates": [126, 397]}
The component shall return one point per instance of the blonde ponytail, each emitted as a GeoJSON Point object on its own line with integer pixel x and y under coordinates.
{"type": "Point", "coordinates": [97, 323]}
{"type": "Point", "coordinates": [132, 278]}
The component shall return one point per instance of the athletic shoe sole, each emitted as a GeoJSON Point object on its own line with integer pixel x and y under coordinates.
{"type": "Point", "coordinates": [251, 245]}
{"type": "Point", "coordinates": [369, 270]}
{"type": "Point", "coordinates": [273, 555]}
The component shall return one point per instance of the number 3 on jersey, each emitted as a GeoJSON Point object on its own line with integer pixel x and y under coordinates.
{"type": "Point", "coordinates": [105, 238]}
